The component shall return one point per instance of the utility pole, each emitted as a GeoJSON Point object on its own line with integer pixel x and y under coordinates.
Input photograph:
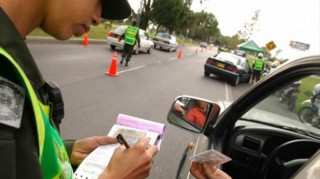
{"type": "Point", "coordinates": [139, 13]}
{"type": "Point", "coordinates": [187, 35]}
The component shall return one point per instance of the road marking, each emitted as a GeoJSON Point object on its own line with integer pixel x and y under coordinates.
{"type": "Point", "coordinates": [226, 91]}
{"type": "Point", "coordinates": [172, 58]}
{"type": "Point", "coordinates": [131, 69]}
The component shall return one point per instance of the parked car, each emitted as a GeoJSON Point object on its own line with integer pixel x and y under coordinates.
{"type": "Point", "coordinates": [146, 43]}
{"type": "Point", "coordinates": [240, 53]}
{"type": "Point", "coordinates": [262, 137]}
{"type": "Point", "coordinates": [228, 66]}
{"type": "Point", "coordinates": [165, 41]}
{"type": "Point", "coordinates": [203, 44]}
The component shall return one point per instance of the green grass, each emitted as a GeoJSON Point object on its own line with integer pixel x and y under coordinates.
{"type": "Point", "coordinates": [100, 32]}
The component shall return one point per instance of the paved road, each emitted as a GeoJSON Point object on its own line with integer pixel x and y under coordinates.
{"type": "Point", "coordinates": [145, 89]}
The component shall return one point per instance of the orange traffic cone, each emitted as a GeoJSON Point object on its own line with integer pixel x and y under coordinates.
{"type": "Point", "coordinates": [113, 67]}
{"type": "Point", "coordinates": [179, 53]}
{"type": "Point", "coordinates": [85, 39]}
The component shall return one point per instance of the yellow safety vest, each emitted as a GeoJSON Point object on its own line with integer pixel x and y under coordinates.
{"type": "Point", "coordinates": [258, 64]}
{"type": "Point", "coordinates": [53, 156]}
{"type": "Point", "coordinates": [130, 35]}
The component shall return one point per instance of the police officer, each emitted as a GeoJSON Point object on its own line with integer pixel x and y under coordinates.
{"type": "Point", "coordinates": [30, 142]}
{"type": "Point", "coordinates": [258, 66]}
{"type": "Point", "coordinates": [131, 37]}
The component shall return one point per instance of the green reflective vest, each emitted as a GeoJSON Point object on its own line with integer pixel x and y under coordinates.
{"type": "Point", "coordinates": [130, 35]}
{"type": "Point", "coordinates": [258, 64]}
{"type": "Point", "coordinates": [53, 156]}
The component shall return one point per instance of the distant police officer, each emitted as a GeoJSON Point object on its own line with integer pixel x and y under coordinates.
{"type": "Point", "coordinates": [131, 37]}
{"type": "Point", "coordinates": [258, 66]}
{"type": "Point", "coordinates": [30, 108]}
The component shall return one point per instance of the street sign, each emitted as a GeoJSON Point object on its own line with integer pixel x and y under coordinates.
{"type": "Point", "coordinates": [299, 45]}
{"type": "Point", "coordinates": [271, 45]}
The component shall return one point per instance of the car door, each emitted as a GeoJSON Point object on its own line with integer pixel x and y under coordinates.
{"type": "Point", "coordinates": [221, 132]}
{"type": "Point", "coordinates": [244, 116]}
{"type": "Point", "coordinates": [143, 41]}
{"type": "Point", "coordinates": [246, 75]}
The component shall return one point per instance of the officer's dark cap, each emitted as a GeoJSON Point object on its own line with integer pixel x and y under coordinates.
{"type": "Point", "coordinates": [115, 9]}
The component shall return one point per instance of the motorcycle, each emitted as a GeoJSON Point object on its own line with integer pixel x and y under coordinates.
{"type": "Point", "coordinates": [289, 95]}
{"type": "Point", "coordinates": [309, 113]}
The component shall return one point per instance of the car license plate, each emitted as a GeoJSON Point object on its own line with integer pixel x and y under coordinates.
{"type": "Point", "coordinates": [220, 65]}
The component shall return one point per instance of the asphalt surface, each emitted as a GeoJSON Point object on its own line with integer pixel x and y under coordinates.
{"type": "Point", "coordinates": [145, 89]}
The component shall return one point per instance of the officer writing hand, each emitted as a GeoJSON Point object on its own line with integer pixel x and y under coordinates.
{"type": "Point", "coordinates": [131, 163]}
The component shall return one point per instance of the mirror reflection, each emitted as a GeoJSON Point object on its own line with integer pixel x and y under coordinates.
{"type": "Point", "coordinates": [192, 113]}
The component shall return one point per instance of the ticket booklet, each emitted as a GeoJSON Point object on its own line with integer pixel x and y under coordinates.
{"type": "Point", "coordinates": [131, 128]}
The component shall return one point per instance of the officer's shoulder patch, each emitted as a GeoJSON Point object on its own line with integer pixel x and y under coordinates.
{"type": "Point", "coordinates": [12, 98]}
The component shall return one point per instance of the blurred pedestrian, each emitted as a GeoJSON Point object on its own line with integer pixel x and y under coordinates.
{"type": "Point", "coordinates": [131, 37]}
{"type": "Point", "coordinates": [258, 66]}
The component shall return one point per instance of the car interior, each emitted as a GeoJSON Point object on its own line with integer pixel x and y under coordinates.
{"type": "Point", "coordinates": [264, 138]}
{"type": "Point", "coordinates": [269, 140]}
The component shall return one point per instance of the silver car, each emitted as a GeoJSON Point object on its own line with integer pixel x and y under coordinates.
{"type": "Point", "coordinates": [146, 44]}
{"type": "Point", "coordinates": [166, 41]}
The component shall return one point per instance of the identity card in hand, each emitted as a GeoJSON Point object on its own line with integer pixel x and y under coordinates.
{"type": "Point", "coordinates": [211, 156]}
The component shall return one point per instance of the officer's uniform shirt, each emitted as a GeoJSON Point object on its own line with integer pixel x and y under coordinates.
{"type": "Point", "coordinates": [18, 144]}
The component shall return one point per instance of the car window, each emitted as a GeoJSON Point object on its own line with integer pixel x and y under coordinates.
{"type": "Point", "coordinates": [121, 29]}
{"type": "Point", "coordinates": [243, 64]}
{"type": "Point", "coordinates": [294, 107]}
{"type": "Point", "coordinates": [228, 57]}
{"type": "Point", "coordinates": [166, 36]}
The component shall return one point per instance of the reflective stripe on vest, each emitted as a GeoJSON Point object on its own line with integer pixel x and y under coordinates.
{"type": "Point", "coordinates": [53, 156]}
{"type": "Point", "coordinates": [258, 64]}
{"type": "Point", "coordinates": [130, 35]}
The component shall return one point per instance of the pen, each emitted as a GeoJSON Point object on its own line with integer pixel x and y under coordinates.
{"type": "Point", "coordinates": [121, 140]}
{"type": "Point", "coordinates": [157, 140]}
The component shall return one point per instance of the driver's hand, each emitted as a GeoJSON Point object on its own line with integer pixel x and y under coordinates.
{"type": "Point", "coordinates": [179, 109]}
{"type": "Point", "coordinates": [206, 171]}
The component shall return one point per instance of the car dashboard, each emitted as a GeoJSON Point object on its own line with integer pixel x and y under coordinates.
{"type": "Point", "coordinates": [249, 145]}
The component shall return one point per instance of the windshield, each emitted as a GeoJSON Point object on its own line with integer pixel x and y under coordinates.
{"type": "Point", "coordinates": [166, 36]}
{"type": "Point", "coordinates": [294, 107]}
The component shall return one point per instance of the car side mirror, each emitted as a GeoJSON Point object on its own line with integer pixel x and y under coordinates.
{"type": "Point", "coordinates": [192, 113]}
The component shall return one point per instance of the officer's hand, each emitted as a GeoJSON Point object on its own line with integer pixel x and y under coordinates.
{"type": "Point", "coordinates": [82, 148]}
{"type": "Point", "coordinates": [132, 163]}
